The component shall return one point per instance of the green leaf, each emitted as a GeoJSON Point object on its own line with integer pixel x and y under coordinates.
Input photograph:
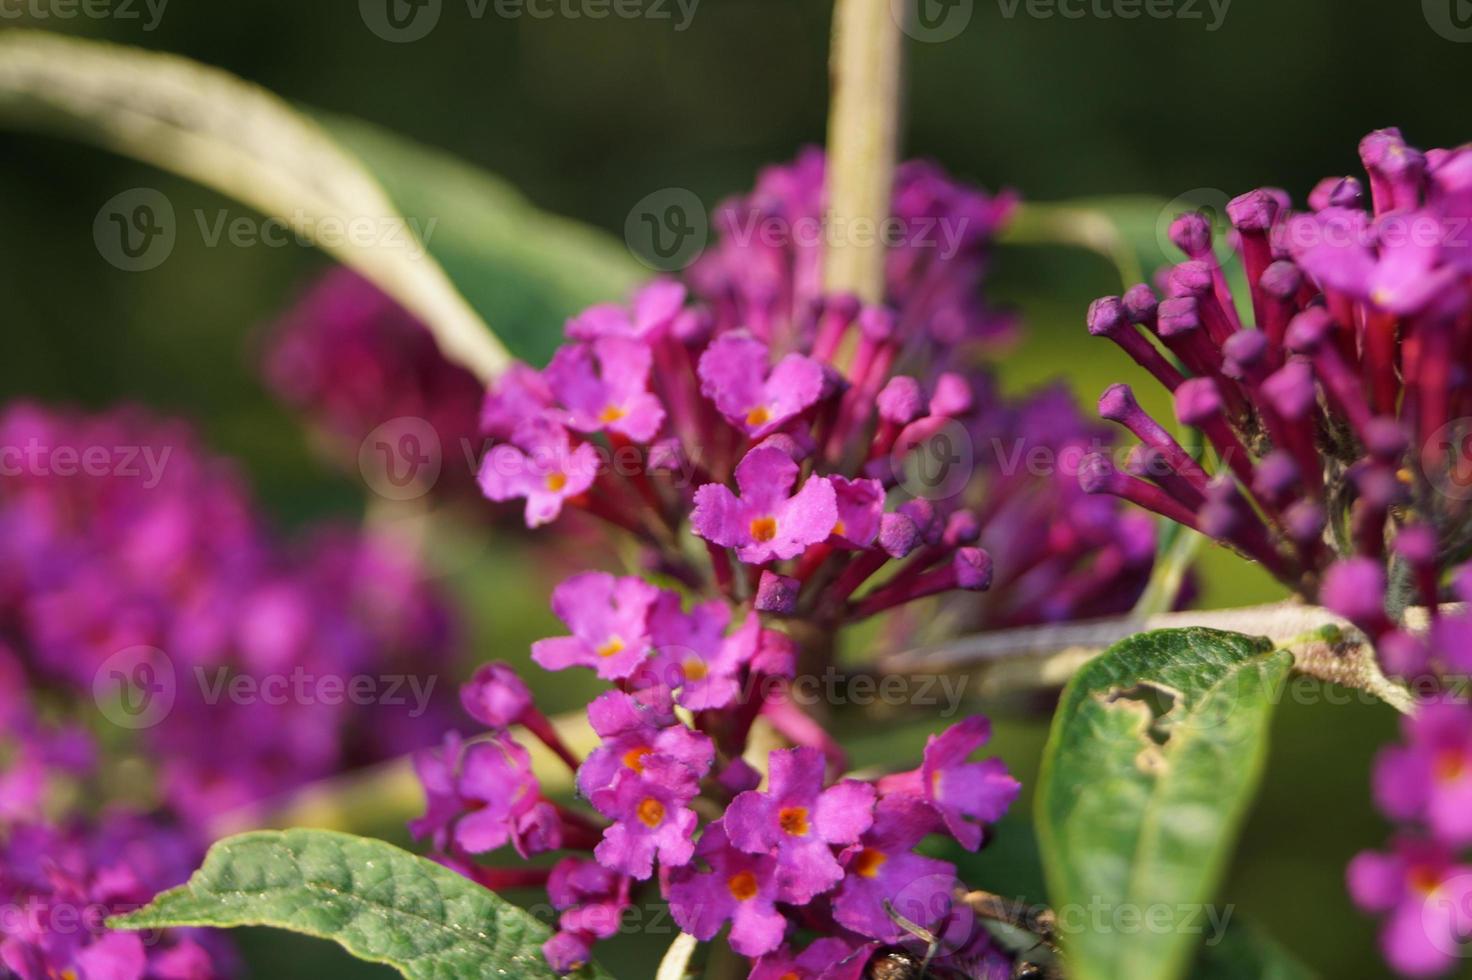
{"type": "Point", "coordinates": [239, 139]}
{"type": "Point", "coordinates": [521, 268]}
{"type": "Point", "coordinates": [1245, 952]}
{"type": "Point", "coordinates": [1155, 752]}
{"type": "Point", "coordinates": [1127, 230]}
{"type": "Point", "coordinates": [380, 903]}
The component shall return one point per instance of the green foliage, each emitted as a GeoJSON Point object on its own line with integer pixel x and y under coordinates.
{"type": "Point", "coordinates": [1155, 753]}
{"type": "Point", "coordinates": [378, 902]}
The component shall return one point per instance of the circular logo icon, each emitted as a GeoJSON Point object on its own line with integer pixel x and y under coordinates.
{"type": "Point", "coordinates": [134, 230]}
{"type": "Point", "coordinates": [400, 21]}
{"type": "Point", "coordinates": [135, 687]}
{"type": "Point", "coordinates": [1209, 201]}
{"type": "Point", "coordinates": [1452, 19]}
{"type": "Point", "coordinates": [934, 464]}
{"type": "Point", "coordinates": [932, 21]}
{"type": "Point", "coordinates": [400, 460]}
{"type": "Point", "coordinates": [668, 229]}
{"type": "Point", "coordinates": [925, 908]}
{"type": "Point", "coordinates": [1446, 916]}
{"type": "Point", "coordinates": [1446, 459]}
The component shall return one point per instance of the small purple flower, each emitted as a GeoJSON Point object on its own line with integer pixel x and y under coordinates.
{"type": "Point", "coordinates": [813, 963]}
{"type": "Point", "coordinates": [860, 509]}
{"type": "Point", "coordinates": [540, 464]}
{"type": "Point", "coordinates": [767, 521]}
{"type": "Point", "coordinates": [636, 728]}
{"type": "Point", "coordinates": [479, 797]}
{"type": "Point", "coordinates": [651, 818]}
{"type": "Point", "coordinates": [592, 900]}
{"type": "Point", "coordinates": [800, 821]}
{"type": "Point", "coordinates": [519, 394]}
{"type": "Point", "coordinates": [883, 868]}
{"type": "Point", "coordinates": [653, 309]}
{"type": "Point", "coordinates": [609, 619]}
{"type": "Point", "coordinates": [757, 400]}
{"type": "Point", "coordinates": [604, 385]}
{"type": "Point", "coordinates": [740, 888]}
{"type": "Point", "coordinates": [1429, 778]}
{"type": "Point", "coordinates": [960, 791]}
{"type": "Point", "coordinates": [496, 696]}
{"type": "Point", "coordinates": [1427, 900]}
{"type": "Point", "coordinates": [694, 656]}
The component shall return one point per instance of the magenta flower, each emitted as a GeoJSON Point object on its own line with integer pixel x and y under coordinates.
{"type": "Point", "coordinates": [604, 385]}
{"type": "Point", "coordinates": [1427, 901]}
{"type": "Point", "coordinates": [740, 888]}
{"type": "Point", "coordinates": [883, 867]}
{"type": "Point", "coordinates": [767, 521]}
{"type": "Point", "coordinates": [756, 398]}
{"type": "Point", "coordinates": [480, 797]}
{"type": "Point", "coordinates": [860, 510]}
{"type": "Point", "coordinates": [636, 728]}
{"type": "Point", "coordinates": [519, 394]}
{"type": "Point", "coordinates": [609, 619]}
{"type": "Point", "coordinates": [1429, 778]}
{"type": "Point", "coordinates": [814, 963]}
{"type": "Point", "coordinates": [799, 821]}
{"type": "Point", "coordinates": [694, 656]}
{"type": "Point", "coordinates": [651, 818]}
{"type": "Point", "coordinates": [541, 465]}
{"type": "Point", "coordinates": [649, 314]}
{"type": "Point", "coordinates": [960, 791]}
{"type": "Point", "coordinates": [592, 900]}
{"type": "Point", "coordinates": [496, 696]}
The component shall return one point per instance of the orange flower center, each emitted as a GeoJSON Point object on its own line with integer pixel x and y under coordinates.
{"type": "Point", "coordinates": [793, 820]}
{"type": "Point", "coordinates": [556, 481]}
{"type": "Point", "coordinates": [1450, 765]}
{"type": "Point", "coordinates": [615, 645]}
{"type": "Point", "coordinates": [634, 758]}
{"type": "Point", "coordinates": [694, 669]}
{"type": "Point", "coordinates": [867, 864]}
{"type": "Point", "coordinates": [1424, 879]}
{"type": "Point", "coordinates": [651, 811]}
{"type": "Point", "coordinates": [758, 416]}
{"type": "Point", "coordinates": [840, 528]}
{"type": "Point", "coordinates": [764, 529]}
{"type": "Point", "coordinates": [611, 413]}
{"type": "Point", "coordinates": [742, 885]}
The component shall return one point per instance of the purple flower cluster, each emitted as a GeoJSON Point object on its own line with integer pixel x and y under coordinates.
{"type": "Point", "coordinates": [759, 440]}
{"type": "Point", "coordinates": [150, 624]}
{"type": "Point", "coordinates": [1338, 423]}
{"type": "Point", "coordinates": [350, 359]}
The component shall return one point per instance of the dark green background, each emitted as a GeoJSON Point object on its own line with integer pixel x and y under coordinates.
{"type": "Point", "coordinates": [586, 117]}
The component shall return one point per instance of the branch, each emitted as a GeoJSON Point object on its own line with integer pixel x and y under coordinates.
{"type": "Point", "coordinates": [867, 69]}
{"type": "Point", "coordinates": [1039, 657]}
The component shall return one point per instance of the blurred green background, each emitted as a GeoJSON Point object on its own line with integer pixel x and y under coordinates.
{"type": "Point", "coordinates": [588, 116]}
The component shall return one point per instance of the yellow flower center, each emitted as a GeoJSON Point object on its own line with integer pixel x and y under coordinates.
{"type": "Point", "coordinates": [611, 413]}
{"type": "Point", "coordinates": [556, 481]}
{"type": "Point", "coordinates": [839, 528]}
{"type": "Point", "coordinates": [764, 529]}
{"type": "Point", "coordinates": [1424, 879]}
{"type": "Point", "coordinates": [651, 811]}
{"type": "Point", "coordinates": [742, 885]}
{"type": "Point", "coordinates": [634, 758]}
{"type": "Point", "coordinates": [758, 416]}
{"type": "Point", "coordinates": [793, 820]}
{"type": "Point", "coordinates": [615, 645]}
{"type": "Point", "coordinates": [867, 864]}
{"type": "Point", "coordinates": [694, 669]}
